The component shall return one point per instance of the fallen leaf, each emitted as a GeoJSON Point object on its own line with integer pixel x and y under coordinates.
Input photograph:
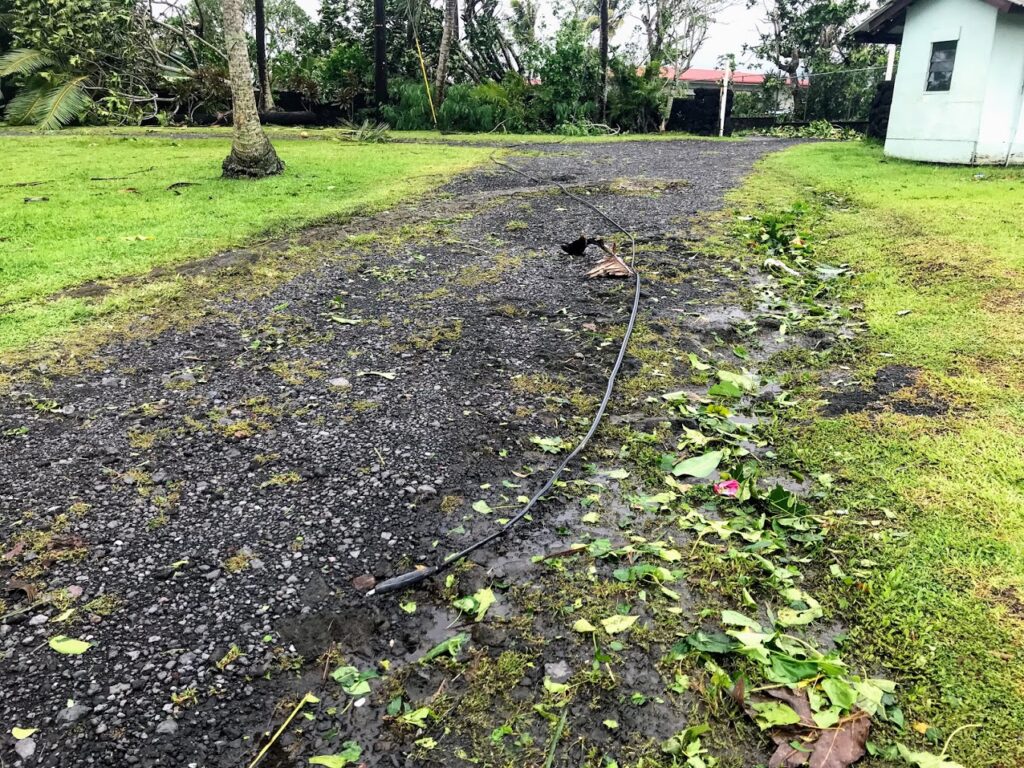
{"type": "Point", "coordinates": [22, 733]}
{"type": "Point", "coordinates": [69, 645]}
{"type": "Point", "coordinates": [18, 585]}
{"type": "Point", "coordinates": [841, 746]}
{"type": "Point", "coordinates": [925, 759]}
{"type": "Point", "coordinates": [583, 626]}
{"type": "Point", "coordinates": [613, 625]}
{"type": "Point", "coordinates": [349, 754]}
{"type": "Point", "coordinates": [451, 646]}
{"type": "Point", "coordinates": [552, 687]}
{"type": "Point", "coordinates": [773, 713]}
{"type": "Point", "coordinates": [698, 466]}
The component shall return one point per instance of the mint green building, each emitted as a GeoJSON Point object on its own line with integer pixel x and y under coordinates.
{"type": "Point", "coordinates": [958, 96]}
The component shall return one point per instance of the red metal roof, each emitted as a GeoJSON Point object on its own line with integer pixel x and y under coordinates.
{"type": "Point", "coordinates": [696, 75]}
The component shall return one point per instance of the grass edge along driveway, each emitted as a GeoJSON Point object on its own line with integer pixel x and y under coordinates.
{"type": "Point", "coordinates": [114, 206]}
{"type": "Point", "coordinates": [936, 501]}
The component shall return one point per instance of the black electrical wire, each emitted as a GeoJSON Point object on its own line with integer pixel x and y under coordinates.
{"type": "Point", "coordinates": [410, 578]}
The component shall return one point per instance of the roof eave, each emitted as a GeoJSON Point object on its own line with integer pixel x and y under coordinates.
{"type": "Point", "coordinates": [880, 26]}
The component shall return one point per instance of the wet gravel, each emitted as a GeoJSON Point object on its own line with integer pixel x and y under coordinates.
{"type": "Point", "coordinates": [203, 500]}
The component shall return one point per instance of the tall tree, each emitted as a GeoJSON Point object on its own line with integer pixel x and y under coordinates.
{"type": "Point", "coordinates": [799, 30]}
{"type": "Point", "coordinates": [676, 29]}
{"type": "Point", "coordinates": [73, 57]}
{"type": "Point", "coordinates": [449, 37]}
{"type": "Point", "coordinates": [252, 154]}
{"type": "Point", "coordinates": [266, 102]}
{"type": "Point", "coordinates": [380, 52]}
{"type": "Point", "coordinates": [603, 54]}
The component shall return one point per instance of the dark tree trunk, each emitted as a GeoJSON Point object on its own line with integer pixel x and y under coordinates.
{"type": "Point", "coordinates": [266, 103]}
{"type": "Point", "coordinates": [380, 64]}
{"type": "Point", "coordinates": [604, 60]}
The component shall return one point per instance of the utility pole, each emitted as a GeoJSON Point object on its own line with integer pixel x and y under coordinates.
{"type": "Point", "coordinates": [604, 59]}
{"type": "Point", "coordinates": [723, 100]}
{"type": "Point", "coordinates": [380, 65]}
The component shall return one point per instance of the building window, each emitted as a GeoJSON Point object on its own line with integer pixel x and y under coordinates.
{"type": "Point", "coordinates": [940, 71]}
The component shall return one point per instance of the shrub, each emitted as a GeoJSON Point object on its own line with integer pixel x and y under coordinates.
{"type": "Point", "coordinates": [410, 109]}
{"type": "Point", "coordinates": [635, 100]}
{"type": "Point", "coordinates": [486, 107]}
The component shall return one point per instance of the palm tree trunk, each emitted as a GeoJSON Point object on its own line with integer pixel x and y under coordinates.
{"type": "Point", "coordinates": [252, 154]}
{"type": "Point", "coordinates": [448, 38]}
{"type": "Point", "coordinates": [266, 102]}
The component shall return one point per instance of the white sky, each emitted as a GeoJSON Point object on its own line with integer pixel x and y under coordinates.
{"type": "Point", "coordinates": [734, 27]}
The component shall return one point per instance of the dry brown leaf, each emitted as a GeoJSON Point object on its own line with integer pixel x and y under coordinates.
{"type": "Point", "coordinates": [30, 589]}
{"type": "Point", "coordinates": [843, 745]}
{"type": "Point", "coordinates": [610, 266]}
{"type": "Point", "coordinates": [837, 747]}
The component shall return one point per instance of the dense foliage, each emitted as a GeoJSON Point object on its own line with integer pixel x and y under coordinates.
{"type": "Point", "coordinates": [127, 61]}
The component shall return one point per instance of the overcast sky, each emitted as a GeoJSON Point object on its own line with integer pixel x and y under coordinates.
{"type": "Point", "coordinates": [734, 27]}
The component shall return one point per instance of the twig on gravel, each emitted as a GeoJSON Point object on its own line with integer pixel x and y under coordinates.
{"type": "Point", "coordinates": [20, 611]}
{"type": "Point", "coordinates": [308, 698]}
{"type": "Point", "coordinates": [327, 658]}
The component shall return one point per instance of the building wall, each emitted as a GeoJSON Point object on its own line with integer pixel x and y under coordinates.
{"type": "Point", "coordinates": [1002, 119]}
{"type": "Point", "coordinates": [942, 126]}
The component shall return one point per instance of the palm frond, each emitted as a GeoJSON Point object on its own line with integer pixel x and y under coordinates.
{"type": "Point", "coordinates": [26, 106]}
{"type": "Point", "coordinates": [64, 104]}
{"type": "Point", "coordinates": [23, 61]}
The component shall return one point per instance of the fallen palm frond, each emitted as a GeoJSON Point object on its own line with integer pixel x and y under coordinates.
{"type": "Point", "coordinates": [368, 131]}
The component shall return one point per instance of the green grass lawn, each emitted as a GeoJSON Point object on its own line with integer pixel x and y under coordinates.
{"type": "Point", "coordinates": [110, 212]}
{"type": "Point", "coordinates": [938, 255]}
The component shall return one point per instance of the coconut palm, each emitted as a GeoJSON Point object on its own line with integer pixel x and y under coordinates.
{"type": "Point", "coordinates": [449, 39]}
{"type": "Point", "coordinates": [252, 154]}
{"type": "Point", "coordinates": [49, 96]}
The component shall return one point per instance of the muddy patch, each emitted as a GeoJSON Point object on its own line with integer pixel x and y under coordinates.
{"type": "Point", "coordinates": [896, 388]}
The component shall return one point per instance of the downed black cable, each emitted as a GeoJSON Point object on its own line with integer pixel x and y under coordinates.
{"type": "Point", "coordinates": [416, 576]}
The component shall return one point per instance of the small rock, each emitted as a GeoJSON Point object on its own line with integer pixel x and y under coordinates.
{"type": "Point", "coordinates": [168, 727]}
{"type": "Point", "coordinates": [73, 713]}
{"type": "Point", "coordinates": [364, 583]}
{"type": "Point", "coordinates": [340, 382]}
{"type": "Point", "coordinates": [558, 671]}
{"type": "Point", "coordinates": [25, 748]}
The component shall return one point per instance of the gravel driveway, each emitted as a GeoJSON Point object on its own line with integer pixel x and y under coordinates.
{"type": "Point", "coordinates": [199, 505]}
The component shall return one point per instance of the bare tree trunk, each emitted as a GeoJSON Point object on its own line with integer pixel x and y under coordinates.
{"type": "Point", "coordinates": [448, 38]}
{"type": "Point", "coordinates": [262, 72]}
{"type": "Point", "coordinates": [603, 102]}
{"type": "Point", "coordinates": [252, 155]}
